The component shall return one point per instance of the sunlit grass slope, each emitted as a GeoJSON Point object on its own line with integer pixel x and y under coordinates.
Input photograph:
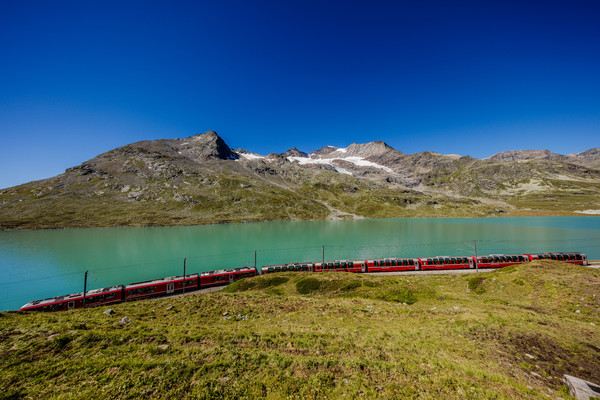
{"type": "Point", "coordinates": [506, 334]}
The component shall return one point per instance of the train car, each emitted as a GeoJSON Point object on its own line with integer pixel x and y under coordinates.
{"type": "Point", "coordinates": [445, 262]}
{"type": "Point", "coordinates": [571, 258]}
{"type": "Point", "coordinates": [341, 265]}
{"type": "Point", "coordinates": [393, 264]}
{"type": "Point", "coordinates": [96, 297]}
{"type": "Point", "coordinates": [225, 276]}
{"type": "Point", "coordinates": [161, 287]}
{"type": "Point", "coordinates": [500, 260]}
{"type": "Point", "coordinates": [269, 269]}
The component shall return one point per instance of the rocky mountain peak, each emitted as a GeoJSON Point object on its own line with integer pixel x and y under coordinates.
{"type": "Point", "coordinates": [322, 153]}
{"type": "Point", "coordinates": [592, 153]}
{"type": "Point", "coordinates": [371, 149]}
{"type": "Point", "coordinates": [206, 146]}
{"type": "Point", "coordinates": [518, 155]}
{"type": "Point", "coordinates": [294, 152]}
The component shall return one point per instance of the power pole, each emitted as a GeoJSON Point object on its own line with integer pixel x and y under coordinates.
{"type": "Point", "coordinates": [254, 259]}
{"type": "Point", "coordinates": [84, 287]}
{"type": "Point", "coordinates": [184, 261]}
{"type": "Point", "coordinates": [323, 250]}
{"type": "Point", "coordinates": [476, 266]}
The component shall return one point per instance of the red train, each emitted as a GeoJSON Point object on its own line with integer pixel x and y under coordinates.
{"type": "Point", "coordinates": [141, 290]}
{"type": "Point", "coordinates": [426, 263]}
{"type": "Point", "coordinates": [177, 284]}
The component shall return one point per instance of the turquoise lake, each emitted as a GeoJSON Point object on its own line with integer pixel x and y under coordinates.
{"type": "Point", "coordinates": [40, 264]}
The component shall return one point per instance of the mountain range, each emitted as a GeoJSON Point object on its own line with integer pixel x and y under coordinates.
{"type": "Point", "coordinates": [200, 179]}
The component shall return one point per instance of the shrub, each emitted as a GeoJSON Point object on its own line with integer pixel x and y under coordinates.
{"type": "Point", "coordinates": [307, 285]}
{"type": "Point", "coordinates": [476, 285]}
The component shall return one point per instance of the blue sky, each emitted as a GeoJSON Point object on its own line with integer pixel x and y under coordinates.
{"type": "Point", "coordinates": [468, 77]}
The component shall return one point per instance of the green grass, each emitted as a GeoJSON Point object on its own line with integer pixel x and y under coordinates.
{"type": "Point", "coordinates": [329, 335]}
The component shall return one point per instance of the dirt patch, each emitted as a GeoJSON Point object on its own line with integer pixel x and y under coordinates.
{"type": "Point", "coordinates": [549, 358]}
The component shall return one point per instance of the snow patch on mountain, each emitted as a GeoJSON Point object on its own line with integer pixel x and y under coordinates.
{"type": "Point", "coordinates": [251, 156]}
{"type": "Point", "coordinates": [358, 161]}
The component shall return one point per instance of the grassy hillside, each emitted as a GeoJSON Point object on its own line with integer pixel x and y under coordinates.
{"type": "Point", "coordinates": [505, 334]}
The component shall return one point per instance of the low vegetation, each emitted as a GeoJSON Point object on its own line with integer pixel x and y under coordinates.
{"type": "Point", "coordinates": [505, 334]}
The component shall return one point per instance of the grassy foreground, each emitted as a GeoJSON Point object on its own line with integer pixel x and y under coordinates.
{"type": "Point", "coordinates": [505, 334]}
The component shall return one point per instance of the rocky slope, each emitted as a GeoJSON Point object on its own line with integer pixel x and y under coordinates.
{"type": "Point", "coordinates": [200, 179]}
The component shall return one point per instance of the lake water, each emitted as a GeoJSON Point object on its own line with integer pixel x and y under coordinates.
{"type": "Point", "coordinates": [40, 264]}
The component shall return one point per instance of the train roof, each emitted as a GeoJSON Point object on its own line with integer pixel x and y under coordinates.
{"type": "Point", "coordinates": [292, 263]}
{"type": "Point", "coordinates": [438, 257]}
{"type": "Point", "coordinates": [227, 271]}
{"type": "Point", "coordinates": [340, 261]}
{"type": "Point", "coordinates": [500, 255]}
{"type": "Point", "coordinates": [159, 281]}
{"type": "Point", "coordinates": [558, 252]}
{"type": "Point", "coordinates": [73, 296]}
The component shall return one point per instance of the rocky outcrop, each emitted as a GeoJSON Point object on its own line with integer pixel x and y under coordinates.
{"type": "Point", "coordinates": [294, 152]}
{"type": "Point", "coordinates": [205, 146]}
{"type": "Point", "coordinates": [519, 155]}
{"type": "Point", "coordinates": [324, 152]}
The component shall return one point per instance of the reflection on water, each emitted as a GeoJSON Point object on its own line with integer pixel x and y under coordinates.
{"type": "Point", "coordinates": [41, 264]}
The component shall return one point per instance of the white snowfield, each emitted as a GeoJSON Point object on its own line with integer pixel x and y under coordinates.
{"type": "Point", "coordinates": [594, 212]}
{"type": "Point", "coordinates": [358, 161]}
{"type": "Point", "coordinates": [338, 154]}
{"type": "Point", "coordinates": [249, 156]}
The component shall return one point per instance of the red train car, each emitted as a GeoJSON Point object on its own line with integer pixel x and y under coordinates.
{"type": "Point", "coordinates": [571, 258]}
{"type": "Point", "coordinates": [341, 265]}
{"type": "Point", "coordinates": [96, 297]}
{"type": "Point", "coordinates": [445, 262]}
{"type": "Point", "coordinates": [269, 269]}
{"type": "Point", "coordinates": [161, 287]}
{"type": "Point", "coordinates": [393, 264]}
{"type": "Point", "coordinates": [225, 276]}
{"type": "Point", "coordinates": [500, 260]}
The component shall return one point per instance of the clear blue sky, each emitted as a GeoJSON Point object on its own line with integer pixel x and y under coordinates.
{"type": "Point", "coordinates": [469, 77]}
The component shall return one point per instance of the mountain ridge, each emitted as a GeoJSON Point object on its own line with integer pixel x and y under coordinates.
{"type": "Point", "coordinates": [200, 179]}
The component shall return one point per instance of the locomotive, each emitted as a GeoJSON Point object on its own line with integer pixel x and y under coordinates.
{"type": "Point", "coordinates": [196, 281]}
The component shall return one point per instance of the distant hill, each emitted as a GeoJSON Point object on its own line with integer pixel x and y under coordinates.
{"type": "Point", "coordinates": [200, 179]}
